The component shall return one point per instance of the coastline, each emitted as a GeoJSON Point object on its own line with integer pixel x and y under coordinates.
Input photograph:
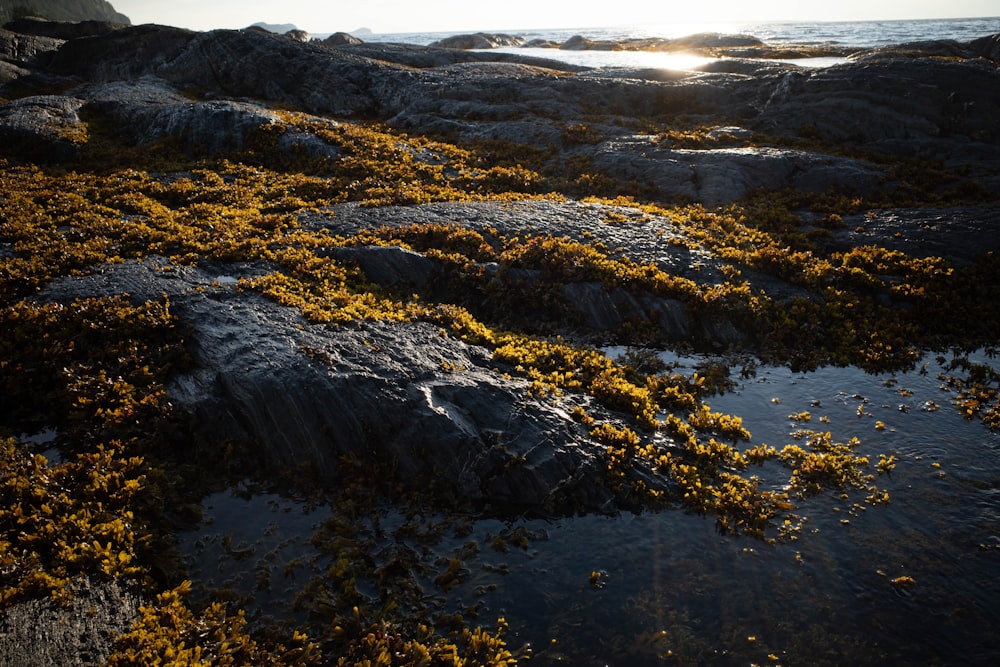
{"type": "Point", "coordinates": [860, 34]}
{"type": "Point", "coordinates": [350, 350]}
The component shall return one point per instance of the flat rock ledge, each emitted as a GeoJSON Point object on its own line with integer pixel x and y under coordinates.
{"type": "Point", "coordinates": [403, 394]}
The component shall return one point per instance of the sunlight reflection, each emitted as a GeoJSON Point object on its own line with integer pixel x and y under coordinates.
{"type": "Point", "coordinates": [645, 59]}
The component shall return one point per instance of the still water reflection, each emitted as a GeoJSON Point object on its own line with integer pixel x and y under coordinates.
{"type": "Point", "coordinates": [912, 582]}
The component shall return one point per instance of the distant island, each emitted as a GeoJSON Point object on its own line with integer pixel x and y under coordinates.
{"type": "Point", "coordinates": [279, 28]}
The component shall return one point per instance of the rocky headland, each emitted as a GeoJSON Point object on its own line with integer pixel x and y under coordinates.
{"type": "Point", "coordinates": [390, 265]}
{"type": "Point", "coordinates": [68, 11]}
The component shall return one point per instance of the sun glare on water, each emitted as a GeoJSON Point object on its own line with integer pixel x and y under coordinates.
{"type": "Point", "coordinates": [643, 59]}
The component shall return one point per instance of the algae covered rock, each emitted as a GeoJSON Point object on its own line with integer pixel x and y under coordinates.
{"type": "Point", "coordinates": [46, 127]}
{"type": "Point", "coordinates": [400, 395]}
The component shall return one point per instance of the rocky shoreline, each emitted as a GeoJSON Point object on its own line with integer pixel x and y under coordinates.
{"type": "Point", "coordinates": [897, 150]}
{"type": "Point", "coordinates": [204, 89]}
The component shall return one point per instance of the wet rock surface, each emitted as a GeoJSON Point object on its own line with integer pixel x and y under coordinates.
{"type": "Point", "coordinates": [42, 633]}
{"type": "Point", "coordinates": [403, 394]}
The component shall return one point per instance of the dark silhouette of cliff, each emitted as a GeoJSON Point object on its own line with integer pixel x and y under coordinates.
{"type": "Point", "coordinates": [61, 10]}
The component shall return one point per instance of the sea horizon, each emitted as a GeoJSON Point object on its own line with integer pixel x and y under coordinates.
{"type": "Point", "coordinates": [857, 34]}
{"type": "Point", "coordinates": [867, 33]}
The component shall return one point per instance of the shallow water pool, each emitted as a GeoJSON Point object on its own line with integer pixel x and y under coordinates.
{"type": "Point", "coordinates": [911, 582]}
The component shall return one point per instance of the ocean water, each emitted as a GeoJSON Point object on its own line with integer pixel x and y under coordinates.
{"type": "Point", "coordinates": [863, 34]}
{"type": "Point", "coordinates": [860, 34]}
{"type": "Point", "coordinates": [912, 582]}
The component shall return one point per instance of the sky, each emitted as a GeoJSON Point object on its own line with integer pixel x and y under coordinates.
{"type": "Point", "coordinates": [394, 16]}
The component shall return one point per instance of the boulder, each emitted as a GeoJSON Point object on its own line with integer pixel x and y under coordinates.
{"type": "Point", "coordinates": [579, 43]}
{"type": "Point", "coordinates": [298, 35]}
{"type": "Point", "coordinates": [709, 41]}
{"type": "Point", "coordinates": [261, 66]}
{"type": "Point", "coordinates": [478, 40]}
{"type": "Point", "coordinates": [10, 73]}
{"type": "Point", "coordinates": [342, 38]}
{"type": "Point", "coordinates": [276, 28]}
{"type": "Point", "coordinates": [987, 47]}
{"type": "Point", "coordinates": [704, 40]}
{"type": "Point", "coordinates": [142, 111]}
{"type": "Point", "coordinates": [425, 57]}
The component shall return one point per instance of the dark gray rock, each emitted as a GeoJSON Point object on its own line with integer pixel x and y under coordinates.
{"type": "Point", "coordinates": [714, 40]}
{"type": "Point", "coordinates": [23, 49]}
{"type": "Point", "coordinates": [256, 65]}
{"type": "Point", "coordinates": [962, 234]}
{"type": "Point", "coordinates": [41, 633]}
{"type": "Point", "coordinates": [987, 47]}
{"type": "Point", "coordinates": [424, 57]}
{"type": "Point", "coordinates": [64, 30]}
{"type": "Point", "coordinates": [342, 38]}
{"type": "Point", "coordinates": [717, 176]}
{"type": "Point", "coordinates": [578, 43]}
{"type": "Point", "coordinates": [46, 127]}
{"type": "Point", "coordinates": [595, 306]}
{"type": "Point", "coordinates": [10, 73]}
{"type": "Point", "coordinates": [880, 99]}
{"type": "Point", "coordinates": [390, 266]}
{"type": "Point", "coordinates": [479, 40]}
{"type": "Point", "coordinates": [403, 394]}
{"type": "Point", "coordinates": [148, 110]}
{"type": "Point", "coordinates": [298, 35]}
{"type": "Point", "coordinates": [697, 42]}
{"type": "Point", "coordinates": [643, 238]}
{"type": "Point", "coordinates": [602, 309]}
{"type": "Point", "coordinates": [277, 28]}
